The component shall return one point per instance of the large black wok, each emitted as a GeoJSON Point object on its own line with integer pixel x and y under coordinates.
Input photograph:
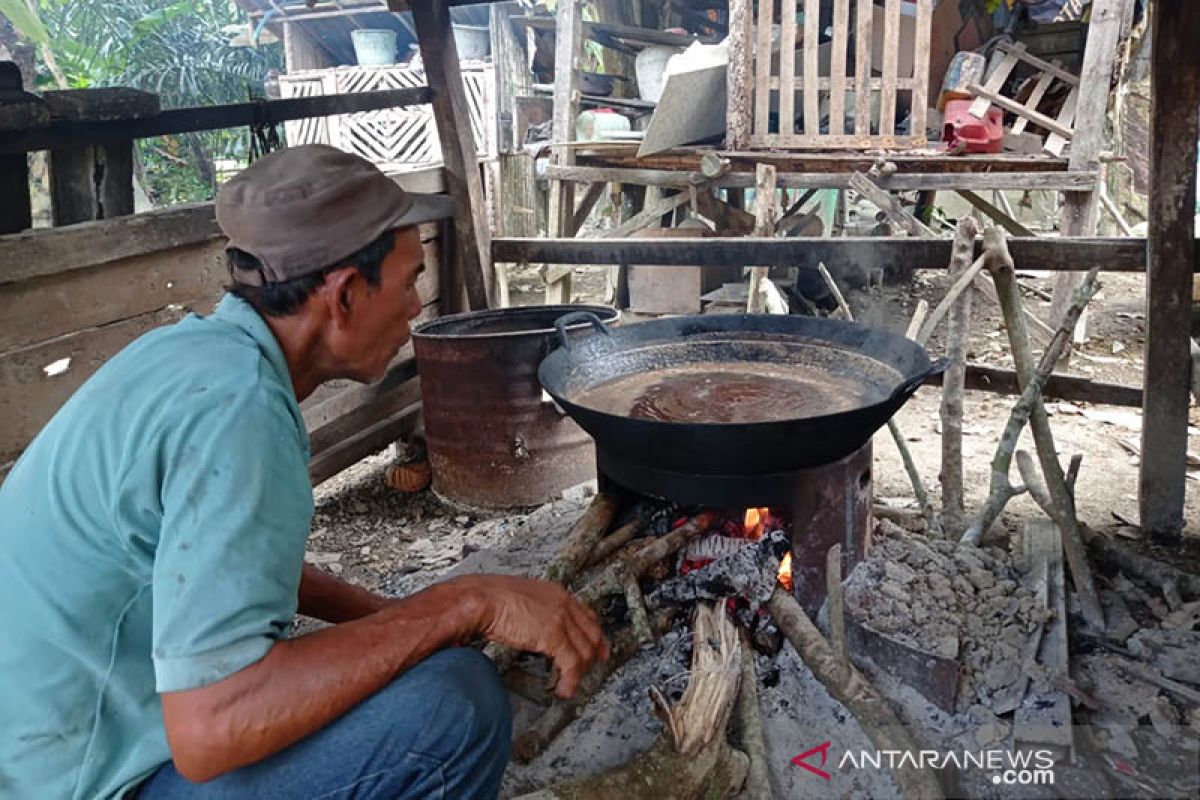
{"type": "Point", "coordinates": [875, 372]}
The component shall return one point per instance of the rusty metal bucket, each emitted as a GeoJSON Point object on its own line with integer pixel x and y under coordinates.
{"type": "Point", "coordinates": [495, 438]}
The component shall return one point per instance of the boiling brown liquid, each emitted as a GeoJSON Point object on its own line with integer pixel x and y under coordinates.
{"type": "Point", "coordinates": [712, 393]}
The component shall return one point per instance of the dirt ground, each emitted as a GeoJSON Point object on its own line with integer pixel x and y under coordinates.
{"type": "Point", "coordinates": [398, 543]}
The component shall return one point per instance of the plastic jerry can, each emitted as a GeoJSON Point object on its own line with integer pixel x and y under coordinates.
{"type": "Point", "coordinates": [973, 134]}
{"type": "Point", "coordinates": [598, 123]}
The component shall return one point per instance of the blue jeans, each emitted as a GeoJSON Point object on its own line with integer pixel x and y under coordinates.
{"type": "Point", "coordinates": [440, 730]}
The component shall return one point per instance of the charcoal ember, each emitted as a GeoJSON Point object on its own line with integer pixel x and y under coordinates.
{"type": "Point", "coordinates": [750, 574]}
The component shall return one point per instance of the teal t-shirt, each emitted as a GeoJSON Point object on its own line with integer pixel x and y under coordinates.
{"type": "Point", "coordinates": [151, 540]}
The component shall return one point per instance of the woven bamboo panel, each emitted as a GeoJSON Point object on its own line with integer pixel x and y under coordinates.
{"type": "Point", "coordinates": [849, 91]}
{"type": "Point", "coordinates": [392, 138]}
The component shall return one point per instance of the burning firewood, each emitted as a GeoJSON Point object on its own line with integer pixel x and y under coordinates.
{"type": "Point", "coordinates": [615, 541]}
{"type": "Point", "coordinates": [611, 579]}
{"type": "Point", "coordinates": [749, 573]}
{"type": "Point", "coordinates": [692, 759]}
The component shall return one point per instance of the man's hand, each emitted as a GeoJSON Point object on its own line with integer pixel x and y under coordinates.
{"type": "Point", "coordinates": [303, 684]}
{"type": "Point", "coordinates": [539, 616]}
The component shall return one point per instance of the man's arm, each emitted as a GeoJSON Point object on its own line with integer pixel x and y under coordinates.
{"type": "Point", "coordinates": [305, 683]}
{"type": "Point", "coordinates": [331, 599]}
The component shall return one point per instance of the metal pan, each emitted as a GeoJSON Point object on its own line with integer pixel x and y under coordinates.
{"type": "Point", "coordinates": [737, 394]}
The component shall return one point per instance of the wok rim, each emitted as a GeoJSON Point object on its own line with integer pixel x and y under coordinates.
{"type": "Point", "coordinates": [733, 427]}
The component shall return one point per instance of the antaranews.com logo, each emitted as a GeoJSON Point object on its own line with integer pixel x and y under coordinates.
{"type": "Point", "coordinates": [1009, 768]}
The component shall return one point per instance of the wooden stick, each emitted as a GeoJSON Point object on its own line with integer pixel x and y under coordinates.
{"type": "Point", "coordinates": [889, 206]}
{"type": "Point", "coordinates": [583, 536]}
{"type": "Point", "coordinates": [573, 556]}
{"type": "Point", "coordinates": [615, 541]}
{"type": "Point", "coordinates": [1033, 483]}
{"type": "Point", "coordinates": [933, 524]}
{"type": "Point", "coordinates": [854, 692]}
{"type": "Point", "coordinates": [916, 228]}
{"type": "Point", "coordinates": [1002, 219]}
{"type": "Point", "coordinates": [838, 297]}
{"type": "Point", "coordinates": [702, 712]}
{"type": "Point", "coordinates": [692, 760]}
{"type": "Point", "coordinates": [646, 217]}
{"type": "Point", "coordinates": [953, 381]}
{"type": "Point", "coordinates": [764, 226]}
{"type": "Point", "coordinates": [1148, 569]}
{"type": "Point", "coordinates": [611, 580]}
{"type": "Point", "coordinates": [1062, 511]}
{"type": "Point", "coordinates": [966, 277]}
{"type": "Point", "coordinates": [901, 516]}
{"type": "Point", "coordinates": [833, 597]}
{"type": "Point", "coordinates": [525, 684]}
{"type": "Point", "coordinates": [918, 319]}
{"type": "Point", "coordinates": [639, 620]}
{"type": "Point", "coordinates": [758, 779]}
{"type": "Point", "coordinates": [1139, 670]}
{"type": "Point", "coordinates": [1073, 473]}
{"type": "Point", "coordinates": [554, 719]}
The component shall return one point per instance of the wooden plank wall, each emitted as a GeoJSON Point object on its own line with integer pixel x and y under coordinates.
{"type": "Point", "coordinates": [871, 92]}
{"type": "Point", "coordinates": [75, 295]}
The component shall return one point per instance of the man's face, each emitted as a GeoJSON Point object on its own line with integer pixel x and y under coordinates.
{"type": "Point", "coordinates": [379, 315]}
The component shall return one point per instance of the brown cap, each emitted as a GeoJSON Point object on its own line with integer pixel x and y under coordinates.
{"type": "Point", "coordinates": [302, 209]}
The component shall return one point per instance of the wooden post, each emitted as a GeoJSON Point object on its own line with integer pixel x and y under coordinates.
{"type": "Point", "coordinates": [764, 226]}
{"type": "Point", "coordinates": [16, 214]}
{"type": "Point", "coordinates": [452, 114]}
{"type": "Point", "coordinates": [1170, 246]}
{"type": "Point", "coordinates": [95, 181]}
{"type": "Point", "coordinates": [567, 45]}
{"type": "Point", "coordinates": [1080, 212]}
{"type": "Point", "coordinates": [18, 110]}
{"type": "Point", "coordinates": [738, 82]}
{"type": "Point", "coordinates": [516, 188]}
{"type": "Point", "coordinates": [91, 182]}
{"type": "Point", "coordinates": [958, 330]}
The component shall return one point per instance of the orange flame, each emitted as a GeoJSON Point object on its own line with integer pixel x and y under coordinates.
{"type": "Point", "coordinates": [785, 572]}
{"type": "Point", "coordinates": [754, 522]}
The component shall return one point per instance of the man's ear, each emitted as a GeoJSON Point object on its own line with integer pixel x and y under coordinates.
{"type": "Point", "coordinates": [339, 294]}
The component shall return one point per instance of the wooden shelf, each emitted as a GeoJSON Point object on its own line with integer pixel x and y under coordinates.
{"type": "Point", "coordinates": [622, 155]}
{"type": "Point", "coordinates": [601, 32]}
{"type": "Point", "coordinates": [901, 181]}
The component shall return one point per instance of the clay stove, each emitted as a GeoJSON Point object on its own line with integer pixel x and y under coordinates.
{"type": "Point", "coordinates": [826, 505]}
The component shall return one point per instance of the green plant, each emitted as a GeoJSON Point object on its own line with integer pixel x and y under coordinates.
{"type": "Point", "coordinates": [25, 20]}
{"type": "Point", "coordinates": [176, 49]}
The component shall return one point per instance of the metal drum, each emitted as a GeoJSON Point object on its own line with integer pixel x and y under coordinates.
{"type": "Point", "coordinates": [495, 438]}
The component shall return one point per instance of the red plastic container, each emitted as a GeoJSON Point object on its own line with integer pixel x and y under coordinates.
{"type": "Point", "coordinates": [978, 135]}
